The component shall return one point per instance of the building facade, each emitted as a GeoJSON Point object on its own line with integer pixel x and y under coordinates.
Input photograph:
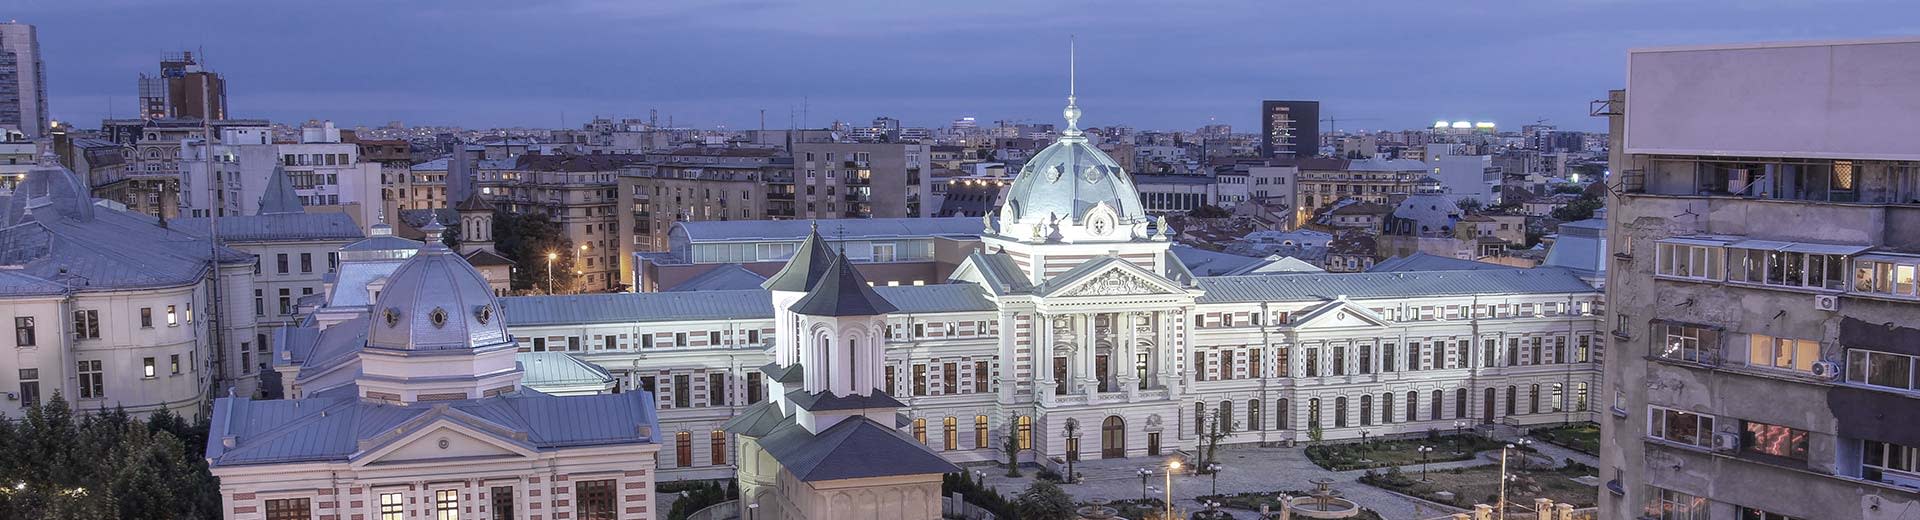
{"type": "Point", "coordinates": [1074, 310]}
{"type": "Point", "coordinates": [577, 192]}
{"type": "Point", "coordinates": [1289, 129]}
{"type": "Point", "coordinates": [1764, 337]}
{"type": "Point", "coordinates": [23, 82]}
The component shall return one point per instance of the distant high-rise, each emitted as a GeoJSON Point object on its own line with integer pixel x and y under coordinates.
{"type": "Point", "coordinates": [178, 90]}
{"type": "Point", "coordinates": [1289, 128]}
{"type": "Point", "coordinates": [23, 81]}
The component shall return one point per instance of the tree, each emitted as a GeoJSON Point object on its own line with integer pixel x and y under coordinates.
{"type": "Point", "coordinates": [1209, 211]}
{"type": "Point", "coordinates": [1011, 446]}
{"type": "Point", "coordinates": [527, 240]}
{"type": "Point", "coordinates": [1212, 438]}
{"type": "Point", "coordinates": [1470, 205]}
{"type": "Point", "coordinates": [1044, 501]}
{"type": "Point", "coordinates": [1579, 209]}
{"type": "Point", "coordinates": [103, 465]}
{"type": "Point", "coordinates": [1315, 434]}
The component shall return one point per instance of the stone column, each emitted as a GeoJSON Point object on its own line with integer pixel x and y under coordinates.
{"type": "Point", "coordinates": [1543, 509]}
{"type": "Point", "coordinates": [1128, 352]}
{"type": "Point", "coordinates": [1043, 353]}
{"type": "Point", "coordinates": [1089, 375]}
{"type": "Point", "coordinates": [1009, 357]}
{"type": "Point", "coordinates": [1483, 512]}
{"type": "Point", "coordinates": [1563, 511]}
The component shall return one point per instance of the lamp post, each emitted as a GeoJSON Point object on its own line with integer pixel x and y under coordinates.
{"type": "Point", "coordinates": [1213, 470]}
{"type": "Point", "coordinates": [1073, 448]}
{"type": "Point", "coordinates": [1364, 433]}
{"type": "Point", "coordinates": [1504, 477]}
{"type": "Point", "coordinates": [550, 258]}
{"type": "Point", "coordinates": [1459, 427]}
{"type": "Point", "coordinates": [576, 266]}
{"type": "Point", "coordinates": [1172, 467]}
{"type": "Point", "coordinates": [1424, 450]}
{"type": "Point", "coordinates": [1144, 473]}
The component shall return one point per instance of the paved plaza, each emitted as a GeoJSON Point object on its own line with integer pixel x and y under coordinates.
{"type": "Point", "coordinates": [1248, 469]}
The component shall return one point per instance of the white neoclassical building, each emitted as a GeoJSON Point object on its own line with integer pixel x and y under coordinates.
{"type": "Point", "coordinates": [1069, 311]}
{"type": "Point", "coordinates": [408, 398]}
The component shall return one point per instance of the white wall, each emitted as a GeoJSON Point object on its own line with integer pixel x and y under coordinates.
{"type": "Point", "coordinates": [1841, 100]}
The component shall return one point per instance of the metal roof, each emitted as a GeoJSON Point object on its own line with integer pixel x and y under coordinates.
{"type": "Point", "coordinates": [1418, 261]}
{"type": "Point", "coordinates": [1313, 287]}
{"type": "Point", "coordinates": [1211, 263]}
{"type": "Point", "coordinates": [857, 447]}
{"type": "Point", "coordinates": [835, 231]}
{"type": "Point", "coordinates": [808, 264]}
{"type": "Point", "coordinates": [540, 369]}
{"type": "Point", "coordinates": [54, 239]}
{"type": "Point", "coordinates": [526, 311]}
{"type": "Point", "coordinates": [727, 277]}
{"type": "Point", "coordinates": [846, 293]}
{"type": "Point", "coordinates": [954, 297]}
{"type": "Point", "coordinates": [277, 227]}
{"type": "Point", "coordinates": [279, 196]}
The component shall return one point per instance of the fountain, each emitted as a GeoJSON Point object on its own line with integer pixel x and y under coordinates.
{"type": "Point", "coordinates": [1322, 502]}
{"type": "Point", "coordinates": [1097, 509]}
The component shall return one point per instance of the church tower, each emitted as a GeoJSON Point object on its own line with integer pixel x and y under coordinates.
{"type": "Point", "coordinates": [476, 224]}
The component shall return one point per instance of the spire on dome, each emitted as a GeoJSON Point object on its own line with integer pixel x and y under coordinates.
{"type": "Point", "coordinates": [436, 233]}
{"type": "Point", "coordinates": [1072, 112]}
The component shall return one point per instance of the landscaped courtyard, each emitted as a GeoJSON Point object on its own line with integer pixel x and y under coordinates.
{"type": "Point", "coordinates": [1464, 487]}
{"type": "Point", "coordinates": [1582, 437]}
{"type": "Point", "coordinates": [1398, 452]}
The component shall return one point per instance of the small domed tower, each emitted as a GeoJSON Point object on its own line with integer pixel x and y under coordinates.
{"type": "Point", "coordinates": [436, 332]}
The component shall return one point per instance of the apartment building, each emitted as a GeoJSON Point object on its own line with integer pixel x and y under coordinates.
{"type": "Point", "coordinates": [698, 183]}
{"type": "Point", "coordinates": [1323, 181]}
{"type": "Point", "coordinates": [1764, 337]}
{"type": "Point", "coordinates": [860, 180]}
{"type": "Point", "coordinates": [23, 82]}
{"type": "Point", "coordinates": [578, 192]}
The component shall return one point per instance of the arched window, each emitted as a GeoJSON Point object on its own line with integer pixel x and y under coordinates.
{"type": "Point", "coordinates": [950, 433]}
{"type": "Point", "coordinates": [1439, 406]}
{"type": "Point", "coordinates": [853, 366]}
{"type": "Point", "coordinates": [1557, 398]}
{"type": "Point", "coordinates": [920, 430]}
{"type": "Point", "coordinates": [1200, 418]}
{"type": "Point", "coordinates": [1413, 406]}
{"type": "Point", "coordinates": [1313, 412]}
{"type": "Point", "coordinates": [1460, 403]}
{"type": "Point", "coordinates": [1225, 417]}
{"type": "Point", "coordinates": [1513, 399]}
{"type": "Point", "coordinates": [1284, 414]}
{"type": "Point", "coordinates": [1533, 399]}
{"type": "Point", "coordinates": [979, 432]}
{"type": "Point", "coordinates": [683, 449]}
{"type": "Point", "coordinates": [1366, 410]}
{"type": "Point", "coordinates": [718, 442]}
{"type": "Point", "coordinates": [1253, 415]}
{"type": "Point", "coordinates": [1386, 408]}
{"type": "Point", "coordinates": [1339, 412]}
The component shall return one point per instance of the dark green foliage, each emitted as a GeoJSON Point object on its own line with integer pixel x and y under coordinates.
{"type": "Point", "coordinates": [1209, 211]}
{"type": "Point", "coordinates": [1044, 500]}
{"type": "Point", "coordinates": [104, 465]}
{"type": "Point", "coordinates": [1010, 446]}
{"type": "Point", "coordinates": [527, 239]}
{"type": "Point", "coordinates": [700, 494]}
{"type": "Point", "coordinates": [1381, 453]}
{"type": "Point", "coordinates": [976, 493]}
{"type": "Point", "coordinates": [1048, 475]}
{"type": "Point", "coordinates": [1579, 209]}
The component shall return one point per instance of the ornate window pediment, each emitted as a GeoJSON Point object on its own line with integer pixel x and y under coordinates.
{"type": "Point", "coordinates": [1115, 282]}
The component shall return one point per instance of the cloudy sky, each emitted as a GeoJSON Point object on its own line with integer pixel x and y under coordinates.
{"type": "Point", "coordinates": [711, 63]}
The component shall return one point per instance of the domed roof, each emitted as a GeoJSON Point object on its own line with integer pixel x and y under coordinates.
{"type": "Point", "coordinates": [436, 301]}
{"type": "Point", "coordinates": [1064, 187]}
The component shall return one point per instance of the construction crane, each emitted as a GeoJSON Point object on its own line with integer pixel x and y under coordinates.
{"type": "Point", "coordinates": [1333, 124]}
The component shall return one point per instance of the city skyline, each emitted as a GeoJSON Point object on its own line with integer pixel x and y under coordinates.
{"type": "Point", "coordinates": [715, 66]}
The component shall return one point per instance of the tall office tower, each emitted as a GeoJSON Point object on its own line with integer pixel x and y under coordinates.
{"type": "Point", "coordinates": [1766, 322]}
{"type": "Point", "coordinates": [1289, 128]}
{"type": "Point", "coordinates": [23, 81]}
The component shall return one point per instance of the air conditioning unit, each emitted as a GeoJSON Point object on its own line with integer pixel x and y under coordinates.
{"type": "Point", "coordinates": [1827, 370]}
{"type": "Point", "coordinates": [1826, 302]}
{"type": "Point", "coordinates": [1726, 441]}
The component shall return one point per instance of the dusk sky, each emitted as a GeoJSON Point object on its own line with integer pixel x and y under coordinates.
{"type": "Point", "coordinates": [1153, 65]}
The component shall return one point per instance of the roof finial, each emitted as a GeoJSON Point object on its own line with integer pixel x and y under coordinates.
{"type": "Point", "coordinates": [1072, 111]}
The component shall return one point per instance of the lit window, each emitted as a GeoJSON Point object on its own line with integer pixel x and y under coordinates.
{"type": "Point", "coordinates": [1678, 426]}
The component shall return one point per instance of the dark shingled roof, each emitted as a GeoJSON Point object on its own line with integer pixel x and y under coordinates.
{"type": "Point", "coordinates": [857, 447]}
{"type": "Point", "coordinates": [843, 293]}
{"type": "Point", "coordinates": [825, 401]}
{"type": "Point", "coordinates": [808, 264]}
{"type": "Point", "coordinates": [786, 374]}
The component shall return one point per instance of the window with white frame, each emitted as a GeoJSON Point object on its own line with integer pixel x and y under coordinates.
{"type": "Point", "coordinates": [392, 507]}
{"type": "Point", "coordinates": [446, 504]}
{"type": "Point", "coordinates": [1688, 260]}
{"type": "Point", "coordinates": [1684, 342]}
{"type": "Point", "coordinates": [1667, 504]}
{"type": "Point", "coordinates": [1679, 426]}
{"type": "Point", "coordinates": [1886, 461]}
{"type": "Point", "coordinates": [1782, 353]}
{"type": "Point", "coordinates": [1881, 369]}
{"type": "Point", "coordinates": [1886, 275]}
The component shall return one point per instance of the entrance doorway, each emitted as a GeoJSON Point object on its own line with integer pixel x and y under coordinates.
{"type": "Point", "coordinates": [1113, 438]}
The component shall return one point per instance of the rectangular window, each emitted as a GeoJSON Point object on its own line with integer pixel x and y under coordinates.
{"type": "Point", "coordinates": [1281, 365]}
{"type": "Point", "coordinates": [1313, 362]}
{"type": "Point", "coordinates": [716, 389]}
{"type": "Point", "coordinates": [1689, 261]}
{"type": "Point", "coordinates": [1366, 359]}
{"type": "Point", "coordinates": [1387, 361]}
{"type": "Point", "coordinates": [1873, 368]}
{"type": "Point", "coordinates": [1885, 275]}
{"type": "Point", "coordinates": [306, 262]}
{"type": "Point", "coordinates": [173, 317]}
{"type": "Point", "coordinates": [1782, 353]}
{"type": "Point", "coordinates": [595, 500]}
{"type": "Point", "coordinates": [753, 387]}
{"type": "Point", "coordinates": [891, 385]}
{"type": "Point", "coordinates": [149, 368]}
{"type": "Point", "coordinates": [29, 386]}
{"type": "Point", "coordinates": [92, 380]}
{"type": "Point", "coordinates": [1682, 342]}
{"type": "Point", "coordinates": [1339, 361]}
{"type": "Point", "coordinates": [86, 324]}
{"type": "Point", "coordinates": [446, 503]}
{"type": "Point", "coordinates": [980, 377]}
{"type": "Point", "coordinates": [717, 444]}
{"type": "Point", "coordinates": [1226, 366]}
{"type": "Point", "coordinates": [280, 261]}
{"type": "Point", "coordinates": [980, 432]}
{"type": "Point", "coordinates": [1889, 462]}
{"type": "Point", "coordinates": [291, 509]}
{"type": "Point", "coordinates": [1664, 504]}
{"type": "Point", "coordinates": [682, 391]}
{"type": "Point", "coordinates": [1682, 427]}
{"type": "Point", "coordinates": [949, 379]}
{"type": "Point", "coordinates": [502, 502]}
{"type": "Point", "coordinates": [146, 315]}
{"type": "Point", "coordinates": [1773, 440]}
{"type": "Point", "coordinates": [393, 506]}
{"type": "Point", "coordinates": [920, 380]}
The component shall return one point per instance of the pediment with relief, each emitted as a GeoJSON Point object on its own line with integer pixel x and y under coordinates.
{"type": "Point", "coordinates": [1118, 280]}
{"type": "Point", "coordinates": [1339, 314]}
{"type": "Point", "coordinates": [442, 439]}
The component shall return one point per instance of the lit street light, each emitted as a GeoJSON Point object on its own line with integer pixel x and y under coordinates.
{"type": "Point", "coordinates": [1504, 477]}
{"type": "Point", "coordinates": [1424, 450]}
{"type": "Point", "coordinates": [1172, 467]}
{"type": "Point", "coordinates": [1144, 473]}
{"type": "Point", "coordinates": [1213, 470]}
{"type": "Point", "coordinates": [550, 257]}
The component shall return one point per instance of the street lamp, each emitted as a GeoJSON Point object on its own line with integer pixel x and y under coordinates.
{"type": "Point", "coordinates": [1214, 471]}
{"type": "Point", "coordinates": [1172, 467]}
{"type": "Point", "coordinates": [1504, 477]}
{"type": "Point", "coordinates": [1144, 473]}
{"type": "Point", "coordinates": [1073, 448]}
{"type": "Point", "coordinates": [1424, 450]}
{"type": "Point", "coordinates": [550, 257]}
{"type": "Point", "coordinates": [1459, 427]}
{"type": "Point", "coordinates": [1364, 432]}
